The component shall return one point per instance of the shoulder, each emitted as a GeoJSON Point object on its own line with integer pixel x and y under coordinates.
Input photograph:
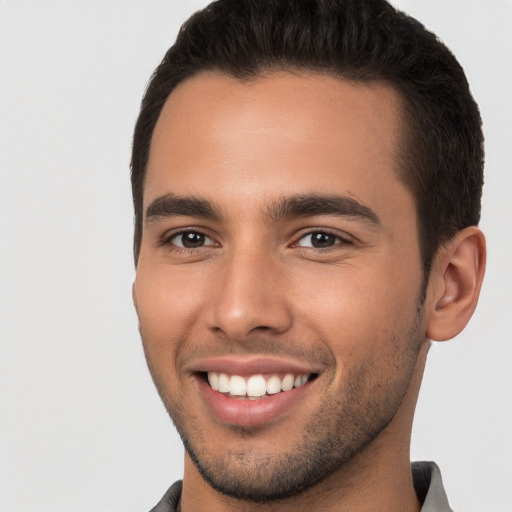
{"type": "Point", "coordinates": [428, 485]}
{"type": "Point", "coordinates": [170, 500]}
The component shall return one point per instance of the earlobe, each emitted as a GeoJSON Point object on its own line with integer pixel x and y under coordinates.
{"type": "Point", "coordinates": [455, 283]}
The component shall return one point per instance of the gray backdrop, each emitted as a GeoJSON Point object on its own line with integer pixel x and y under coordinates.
{"type": "Point", "coordinates": [81, 427]}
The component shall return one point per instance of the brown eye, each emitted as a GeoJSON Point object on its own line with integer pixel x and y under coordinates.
{"type": "Point", "coordinates": [191, 240]}
{"type": "Point", "coordinates": [320, 240]}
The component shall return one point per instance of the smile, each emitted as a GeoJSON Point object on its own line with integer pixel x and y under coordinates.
{"type": "Point", "coordinates": [251, 391]}
{"type": "Point", "coordinates": [255, 387]}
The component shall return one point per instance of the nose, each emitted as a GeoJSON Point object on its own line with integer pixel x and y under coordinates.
{"type": "Point", "coordinates": [250, 297]}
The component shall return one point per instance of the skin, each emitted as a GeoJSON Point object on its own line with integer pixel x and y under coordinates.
{"type": "Point", "coordinates": [255, 285]}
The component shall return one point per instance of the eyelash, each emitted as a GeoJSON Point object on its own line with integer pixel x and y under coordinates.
{"type": "Point", "coordinates": [339, 240]}
{"type": "Point", "coordinates": [168, 240]}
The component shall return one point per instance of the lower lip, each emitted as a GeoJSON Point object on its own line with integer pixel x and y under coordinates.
{"type": "Point", "coordinates": [250, 413]}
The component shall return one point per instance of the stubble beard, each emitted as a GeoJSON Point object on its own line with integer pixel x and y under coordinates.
{"type": "Point", "coordinates": [344, 427]}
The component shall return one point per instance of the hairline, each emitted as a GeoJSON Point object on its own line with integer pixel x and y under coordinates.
{"type": "Point", "coordinates": [404, 142]}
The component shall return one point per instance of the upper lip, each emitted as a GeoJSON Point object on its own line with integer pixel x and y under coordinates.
{"type": "Point", "coordinates": [249, 365]}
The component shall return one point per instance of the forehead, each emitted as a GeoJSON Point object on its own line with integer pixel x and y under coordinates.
{"type": "Point", "coordinates": [281, 134]}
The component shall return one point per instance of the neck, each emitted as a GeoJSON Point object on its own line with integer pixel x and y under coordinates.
{"type": "Point", "coordinates": [378, 479]}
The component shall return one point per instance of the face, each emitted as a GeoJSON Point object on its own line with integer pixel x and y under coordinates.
{"type": "Point", "coordinates": [279, 276]}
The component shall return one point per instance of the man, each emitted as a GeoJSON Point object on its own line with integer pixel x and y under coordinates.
{"type": "Point", "coordinates": [306, 179]}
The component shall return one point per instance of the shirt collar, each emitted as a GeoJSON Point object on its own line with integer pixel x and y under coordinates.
{"type": "Point", "coordinates": [428, 485]}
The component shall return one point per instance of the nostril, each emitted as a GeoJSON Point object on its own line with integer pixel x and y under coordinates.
{"type": "Point", "coordinates": [238, 314]}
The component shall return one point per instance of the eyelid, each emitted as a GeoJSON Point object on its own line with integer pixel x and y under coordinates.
{"type": "Point", "coordinates": [167, 238]}
{"type": "Point", "coordinates": [344, 238]}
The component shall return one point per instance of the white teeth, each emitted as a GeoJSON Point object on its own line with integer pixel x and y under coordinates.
{"type": "Point", "coordinates": [213, 379]}
{"type": "Point", "coordinates": [301, 380]}
{"type": "Point", "coordinates": [287, 383]}
{"type": "Point", "coordinates": [237, 386]}
{"type": "Point", "coordinates": [256, 386]}
{"type": "Point", "coordinates": [273, 385]}
{"type": "Point", "coordinates": [223, 383]}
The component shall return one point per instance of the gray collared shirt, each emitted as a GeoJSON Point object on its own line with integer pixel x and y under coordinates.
{"type": "Point", "coordinates": [427, 483]}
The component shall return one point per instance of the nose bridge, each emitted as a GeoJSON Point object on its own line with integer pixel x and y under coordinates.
{"type": "Point", "coordinates": [249, 296]}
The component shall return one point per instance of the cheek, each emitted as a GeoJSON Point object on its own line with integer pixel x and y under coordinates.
{"type": "Point", "coordinates": [367, 321]}
{"type": "Point", "coordinates": [358, 309]}
{"type": "Point", "coordinates": [168, 305]}
{"type": "Point", "coordinates": [165, 298]}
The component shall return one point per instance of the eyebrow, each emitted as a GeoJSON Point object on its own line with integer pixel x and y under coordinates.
{"type": "Point", "coordinates": [171, 205]}
{"type": "Point", "coordinates": [318, 204]}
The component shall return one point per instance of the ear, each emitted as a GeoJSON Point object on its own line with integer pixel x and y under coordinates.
{"type": "Point", "coordinates": [454, 284]}
{"type": "Point", "coordinates": [134, 298]}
